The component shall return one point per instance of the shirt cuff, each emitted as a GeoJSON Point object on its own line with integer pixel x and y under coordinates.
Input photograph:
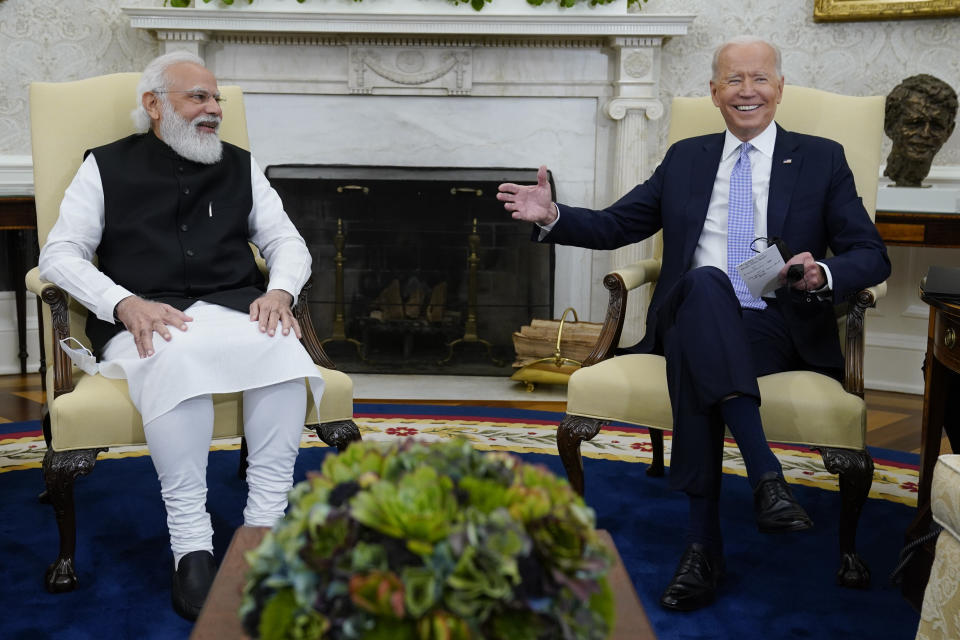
{"type": "Point", "coordinates": [547, 228]}
{"type": "Point", "coordinates": [828, 286]}
{"type": "Point", "coordinates": [109, 302]}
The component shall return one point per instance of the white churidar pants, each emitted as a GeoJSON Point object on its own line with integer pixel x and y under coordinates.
{"type": "Point", "coordinates": [179, 442]}
{"type": "Point", "coordinates": [222, 351]}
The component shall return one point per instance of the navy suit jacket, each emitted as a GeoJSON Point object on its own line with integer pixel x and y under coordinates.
{"type": "Point", "coordinates": [812, 205]}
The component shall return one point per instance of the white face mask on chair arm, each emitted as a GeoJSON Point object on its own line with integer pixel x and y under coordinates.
{"type": "Point", "coordinates": [80, 356]}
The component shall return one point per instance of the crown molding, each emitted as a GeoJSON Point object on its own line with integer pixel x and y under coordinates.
{"type": "Point", "coordinates": [167, 19]}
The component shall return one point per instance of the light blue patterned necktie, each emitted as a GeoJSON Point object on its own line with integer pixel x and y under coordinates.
{"type": "Point", "coordinates": [740, 227]}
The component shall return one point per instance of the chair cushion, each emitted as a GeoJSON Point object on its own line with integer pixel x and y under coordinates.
{"type": "Point", "coordinates": [797, 407]}
{"type": "Point", "coordinates": [945, 493]}
{"type": "Point", "coordinates": [98, 412]}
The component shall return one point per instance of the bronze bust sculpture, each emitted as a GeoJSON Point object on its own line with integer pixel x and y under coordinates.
{"type": "Point", "coordinates": [920, 115]}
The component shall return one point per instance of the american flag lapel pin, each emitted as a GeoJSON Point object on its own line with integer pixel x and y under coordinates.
{"type": "Point", "coordinates": [788, 161]}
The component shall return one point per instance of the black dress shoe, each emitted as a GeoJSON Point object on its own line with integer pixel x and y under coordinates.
{"type": "Point", "coordinates": [694, 584]}
{"type": "Point", "coordinates": [191, 583]}
{"type": "Point", "coordinates": [776, 508]}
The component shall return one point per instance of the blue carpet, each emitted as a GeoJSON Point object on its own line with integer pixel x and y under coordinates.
{"type": "Point", "coordinates": [776, 587]}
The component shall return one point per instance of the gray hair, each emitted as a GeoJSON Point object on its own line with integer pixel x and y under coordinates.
{"type": "Point", "coordinates": [155, 77]}
{"type": "Point", "coordinates": [745, 40]}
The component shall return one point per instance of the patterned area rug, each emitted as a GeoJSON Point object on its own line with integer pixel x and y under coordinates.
{"type": "Point", "coordinates": [520, 431]}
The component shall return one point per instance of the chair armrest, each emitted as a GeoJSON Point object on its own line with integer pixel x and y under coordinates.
{"type": "Point", "coordinates": [619, 283]}
{"type": "Point", "coordinates": [261, 263]}
{"type": "Point", "coordinates": [639, 273]}
{"type": "Point", "coordinates": [59, 303]}
{"type": "Point", "coordinates": [853, 353]}
{"type": "Point", "coordinates": [311, 343]}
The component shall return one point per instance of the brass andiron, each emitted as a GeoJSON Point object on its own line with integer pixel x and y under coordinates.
{"type": "Point", "coordinates": [470, 328]}
{"type": "Point", "coordinates": [339, 330]}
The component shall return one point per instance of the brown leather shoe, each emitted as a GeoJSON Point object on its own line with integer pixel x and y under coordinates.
{"type": "Point", "coordinates": [776, 508]}
{"type": "Point", "coordinates": [694, 584]}
{"type": "Point", "coordinates": [191, 583]}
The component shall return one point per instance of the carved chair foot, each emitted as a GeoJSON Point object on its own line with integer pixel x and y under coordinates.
{"type": "Point", "coordinates": [337, 434]}
{"type": "Point", "coordinates": [60, 470]}
{"type": "Point", "coordinates": [853, 572]}
{"type": "Point", "coordinates": [572, 431]}
{"type": "Point", "coordinates": [60, 576]}
{"type": "Point", "coordinates": [855, 469]}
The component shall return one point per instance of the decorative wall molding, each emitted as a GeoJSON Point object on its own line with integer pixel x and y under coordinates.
{"type": "Point", "coordinates": [9, 344]}
{"type": "Point", "coordinates": [394, 70]}
{"type": "Point", "coordinates": [162, 19]}
{"type": "Point", "coordinates": [893, 362]}
{"type": "Point", "coordinates": [16, 175]}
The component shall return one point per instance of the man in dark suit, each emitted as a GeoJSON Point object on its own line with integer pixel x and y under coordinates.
{"type": "Point", "coordinates": [712, 196]}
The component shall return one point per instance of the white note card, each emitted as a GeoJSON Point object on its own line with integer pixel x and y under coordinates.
{"type": "Point", "coordinates": [760, 272]}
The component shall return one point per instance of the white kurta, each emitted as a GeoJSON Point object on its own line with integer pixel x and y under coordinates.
{"type": "Point", "coordinates": [222, 351]}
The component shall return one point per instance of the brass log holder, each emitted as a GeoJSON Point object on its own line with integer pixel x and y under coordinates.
{"type": "Point", "coordinates": [339, 329]}
{"type": "Point", "coordinates": [470, 327]}
{"type": "Point", "coordinates": [552, 369]}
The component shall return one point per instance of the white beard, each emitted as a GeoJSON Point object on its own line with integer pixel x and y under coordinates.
{"type": "Point", "coordinates": [182, 136]}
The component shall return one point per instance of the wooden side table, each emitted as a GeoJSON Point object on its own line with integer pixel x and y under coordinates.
{"type": "Point", "coordinates": [941, 413]}
{"type": "Point", "coordinates": [910, 229]}
{"type": "Point", "coordinates": [219, 620]}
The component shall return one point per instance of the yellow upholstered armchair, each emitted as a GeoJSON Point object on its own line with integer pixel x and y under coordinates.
{"type": "Point", "coordinates": [85, 415]}
{"type": "Point", "coordinates": [633, 388]}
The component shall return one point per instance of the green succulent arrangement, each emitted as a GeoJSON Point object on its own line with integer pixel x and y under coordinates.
{"type": "Point", "coordinates": [414, 541]}
{"type": "Point", "coordinates": [476, 4]}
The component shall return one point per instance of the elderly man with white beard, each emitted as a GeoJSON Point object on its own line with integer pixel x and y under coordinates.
{"type": "Point", "coordinates": [169, 214]}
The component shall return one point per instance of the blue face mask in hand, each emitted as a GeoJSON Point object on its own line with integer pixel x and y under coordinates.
{"type": "Point", "coordinates": [80, 356]}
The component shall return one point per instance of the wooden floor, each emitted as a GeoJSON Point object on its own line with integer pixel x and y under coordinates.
{"type": "Point", "coordinates": [893, 419]}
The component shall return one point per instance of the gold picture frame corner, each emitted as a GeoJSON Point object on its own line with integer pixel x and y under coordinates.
{"type": "Point", "coordinates": [863, 10]}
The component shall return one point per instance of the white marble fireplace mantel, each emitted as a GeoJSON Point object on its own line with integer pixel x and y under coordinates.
{"type": "Point", "coordinates": [375, 83]}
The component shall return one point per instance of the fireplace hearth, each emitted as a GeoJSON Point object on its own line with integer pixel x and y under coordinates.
{"type": "Point", "coordinates": [416, 270]}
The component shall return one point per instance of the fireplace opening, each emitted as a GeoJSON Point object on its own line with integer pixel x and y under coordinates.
{"type": "Point", "coordinates": [416, 269]}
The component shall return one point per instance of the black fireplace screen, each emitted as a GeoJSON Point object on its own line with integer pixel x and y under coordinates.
{"type": "Point", "coordinates": [416, 270]}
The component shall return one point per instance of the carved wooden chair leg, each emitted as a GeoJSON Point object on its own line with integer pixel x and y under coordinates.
{"type": "Point", "coordinates": [655, 470]}
{"type": "Point", "coordinates": [572, 431]}
{"type": "Point", "coordinates": [44, 496]}
{"type": "Point", "coordinates": [337, 434]}
{"type": "Point", "coordinates": [60, 469]}
{"type": "Point", "coordinates": [242, 468]}
{"type": "Point", "coordinates": [856, 476]}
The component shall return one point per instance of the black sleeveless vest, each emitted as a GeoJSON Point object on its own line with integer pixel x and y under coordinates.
{"type": "Point", "coordinates": [175, 231]}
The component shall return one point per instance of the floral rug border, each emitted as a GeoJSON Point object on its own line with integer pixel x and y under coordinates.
{"type": "Point", "coordinates": [893, 482]}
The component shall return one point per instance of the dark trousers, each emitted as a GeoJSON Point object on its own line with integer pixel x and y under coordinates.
{"type": "Point", "coordinates": [713, 349]}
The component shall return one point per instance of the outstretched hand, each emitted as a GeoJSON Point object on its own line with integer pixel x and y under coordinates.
{"type": "Point", "coordinates": [143, 317]}
{"type": "Point", "coordinates": [529, 202]}
{"type": "Point", "coordinates": [272, 308]}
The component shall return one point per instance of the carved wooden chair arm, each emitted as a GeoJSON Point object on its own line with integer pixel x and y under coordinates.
{"type": "Point", "coordinates": [619, 283]}
{"type": "Point", "coordinates": [59, 303]}
{"type": "Point", "coordinates": [310, 341]}
{"type": "Point", "coordinates": [853, 351]}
